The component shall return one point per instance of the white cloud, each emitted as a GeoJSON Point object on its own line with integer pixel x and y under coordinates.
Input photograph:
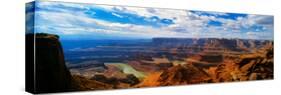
{"type": "Point", "coordinates": [186, 23]}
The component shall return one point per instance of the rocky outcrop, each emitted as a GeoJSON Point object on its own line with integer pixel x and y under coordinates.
{"type": "Point", "coordinates": [125, 82]}
{"type": "Point", "coordinates": [144, 67]}
{"type": "Point", "coordinates": [176, 75]}
{"type": "Point", "coordinates": [49, 69]}
{"type": "Point", "coordinates": [250, 66]}
{"type": "Point", "coordinates": [85, 84]}
{"type": "Point", "coordinates": [86, 68]}
{"type": "Point", "coordinates": [256, 66]}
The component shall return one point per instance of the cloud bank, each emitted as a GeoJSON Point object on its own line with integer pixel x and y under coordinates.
{"type": "Point", "coordinates": [88, 21]}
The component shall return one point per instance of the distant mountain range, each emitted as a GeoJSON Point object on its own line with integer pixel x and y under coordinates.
{"type": "Point", "coordinates": [232, 44]}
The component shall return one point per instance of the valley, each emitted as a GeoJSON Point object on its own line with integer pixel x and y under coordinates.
{"type": "Point", "coordinates": [171, 61]}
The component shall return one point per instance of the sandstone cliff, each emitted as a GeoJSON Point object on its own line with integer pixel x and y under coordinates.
{"type": "Point", "coordinates": [49, 69]}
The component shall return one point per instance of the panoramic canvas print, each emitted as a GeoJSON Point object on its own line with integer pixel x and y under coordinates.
{"type": "Point", "coordinates": [88, 47]}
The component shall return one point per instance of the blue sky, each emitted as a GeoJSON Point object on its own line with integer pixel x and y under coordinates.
{"type": "Point", "coordinates": [88, 21]}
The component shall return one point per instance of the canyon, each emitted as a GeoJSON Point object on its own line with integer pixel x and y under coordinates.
{"type": "Point", "coordinates": [159, 62]}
